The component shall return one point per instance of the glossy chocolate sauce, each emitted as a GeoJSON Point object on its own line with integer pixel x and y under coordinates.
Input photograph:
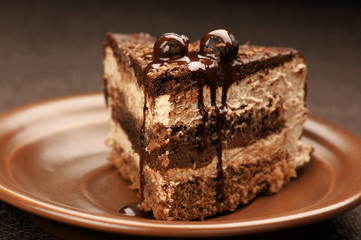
{"type": "Point", "coordinates": [133, 210]}
{"type": "Point", "coordinates": [142, 151]}
{"type": "Point", "coordinates": [218, 48]}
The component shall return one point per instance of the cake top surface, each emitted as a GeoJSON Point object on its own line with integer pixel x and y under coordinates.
{"type": "Point", "coordinates": [176, 74]}
{"type": "Point", "coordinates": [140, 46]}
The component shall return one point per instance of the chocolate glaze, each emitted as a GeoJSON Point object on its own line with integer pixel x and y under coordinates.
{"type": "Point", "coordinates": [170, 45]}
{"type": "Point", "coordinates": [218, 48]}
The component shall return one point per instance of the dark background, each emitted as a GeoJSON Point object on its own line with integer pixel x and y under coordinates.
{"type": "Point", "coordinates": [50, 49]}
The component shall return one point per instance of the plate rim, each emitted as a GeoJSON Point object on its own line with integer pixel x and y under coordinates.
{"type": "Point", "coordinates": [126, 225]}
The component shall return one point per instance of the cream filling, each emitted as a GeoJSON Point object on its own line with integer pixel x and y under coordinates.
{"type": "Point", "coordinates": [118, 137]}
{"type": "Point", "coordinates": [298, 153]}
{"type": "Point", "coordinates": [126, 82]}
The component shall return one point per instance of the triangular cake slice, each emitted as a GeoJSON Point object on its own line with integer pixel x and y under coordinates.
{"type": "Point", "coordinates": [205, 127]}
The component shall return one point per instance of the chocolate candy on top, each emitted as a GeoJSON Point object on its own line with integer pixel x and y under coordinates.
{"type": "Point", "coordinates": [171, 45]}
{"type": "Point", "coordinates": [220, 42]}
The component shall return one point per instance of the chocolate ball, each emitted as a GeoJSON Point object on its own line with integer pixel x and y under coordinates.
{"type": "Point", "coordinates": [171, 45]}
{"type": "Point", "coordinates": [220, 42]}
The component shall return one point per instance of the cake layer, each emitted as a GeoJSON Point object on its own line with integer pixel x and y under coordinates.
{"type": "Point", "coordinates": [173, 78]}
{"type": "Point", "coordinates": [196, 198]}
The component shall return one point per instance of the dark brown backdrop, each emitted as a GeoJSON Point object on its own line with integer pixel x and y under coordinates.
{"type": "Point", "coordinates": [50, 49]}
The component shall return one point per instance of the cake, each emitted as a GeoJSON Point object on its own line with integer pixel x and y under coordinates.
{"type": "Point", "coordinates": [202, 128]}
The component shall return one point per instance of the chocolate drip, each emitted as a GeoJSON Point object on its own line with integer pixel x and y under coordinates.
{"type": "Point", "coordinates": [105, 90]}
{"type": "Point", "coordinates": [218, 49]}
{"type": "Point", "coordinates": [133, 210]}
{"type": "Point", "coordinates": [224, 46]}
{"type": "Point", "coordinates": [170, 47]}
{"type": "Point", "coordinates": [142, 150]}
{"type": "Point", "coordinates": [202, 109]}
{"type": "Point", "coordinates": [220, 46]}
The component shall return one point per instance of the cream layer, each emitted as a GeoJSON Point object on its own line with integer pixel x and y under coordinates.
{"type": "Point", "coordinates": [119, 138]}
{"type": "Point", "coordinates": [284, 83]}
{"type": "Point", "coordinates": [125, 82]}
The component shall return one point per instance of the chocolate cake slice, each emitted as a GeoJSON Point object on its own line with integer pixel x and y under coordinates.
{"type": "Point", "coordinates": [205, 127]}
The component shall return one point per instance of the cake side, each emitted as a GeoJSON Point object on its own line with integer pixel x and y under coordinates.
{"type": "Point", "coordinates": [125, 99]}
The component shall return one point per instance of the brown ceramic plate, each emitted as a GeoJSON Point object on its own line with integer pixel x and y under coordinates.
{"type": "Point", "coordinates": [53, 165]}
